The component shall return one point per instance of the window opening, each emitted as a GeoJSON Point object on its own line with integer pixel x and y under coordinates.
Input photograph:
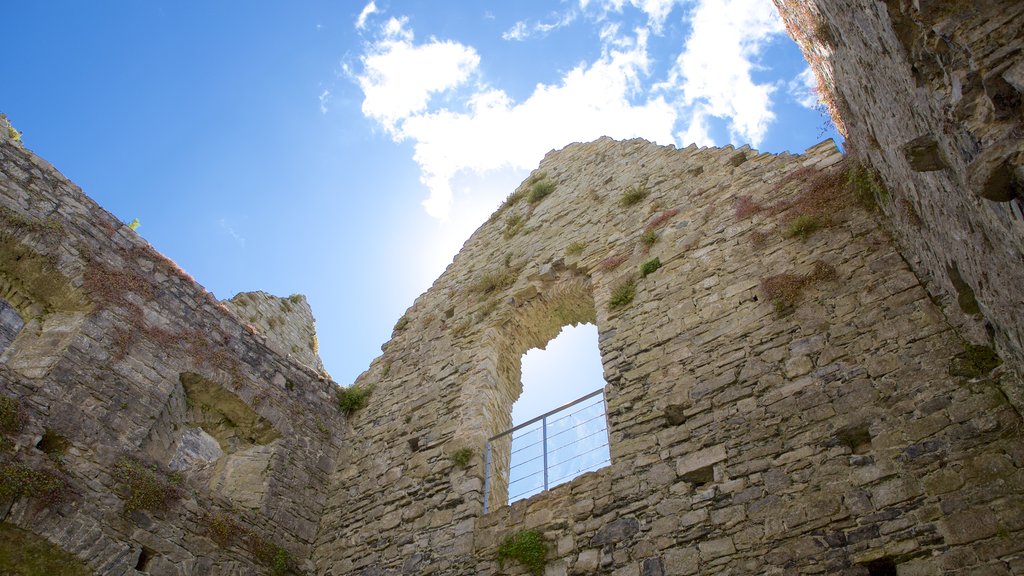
{"type": "Point", "coordinates": [551, 447]}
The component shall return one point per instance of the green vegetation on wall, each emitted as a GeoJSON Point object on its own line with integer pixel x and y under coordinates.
{"type": "Point", "coordinates": [352, 398]}
{"type": "Point", "coordinates": [25, 554]}
{"type": "Point", "coordinates": [525, 547]}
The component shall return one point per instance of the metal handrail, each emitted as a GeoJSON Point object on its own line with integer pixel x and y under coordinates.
{"type": "Point", "coordinates": [547, 465]}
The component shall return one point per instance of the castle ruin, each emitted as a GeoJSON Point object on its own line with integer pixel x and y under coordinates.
{"type": "Point", "coordinates": [821, 375]}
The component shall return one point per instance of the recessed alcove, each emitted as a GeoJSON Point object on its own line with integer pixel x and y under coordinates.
{"type": "Point", "coordinates": [216, 438]}
{"type": "Point", "coordinates": [49, 310]}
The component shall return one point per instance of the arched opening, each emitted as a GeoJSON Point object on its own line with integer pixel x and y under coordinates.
{"type": "Point", "coordinates": [561, 427]}
{"type": "Point", "coordinates": [536, 318]}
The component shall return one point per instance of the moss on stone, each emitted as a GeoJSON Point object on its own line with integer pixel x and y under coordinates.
{"type": "Point", "coordinates": [525, 547]}
{"type": "Point", "coordinates": [975, 361]}
{"type": "Point", "coordinates": [22, 553]}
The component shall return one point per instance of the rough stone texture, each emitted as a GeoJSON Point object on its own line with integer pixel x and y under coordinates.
{"type": "Point", "coordinates": [10, 324]}
{"type": "Point", "coordinates": [287, 323]}
{"type": "Point", "coordinates": [124, 356]}
{"type": "Point", "coordinates": [778, 401]}
{"type": "Point", "coordinates": [814, 442]}
{"type": "Point", "coordinates": [947, 73]}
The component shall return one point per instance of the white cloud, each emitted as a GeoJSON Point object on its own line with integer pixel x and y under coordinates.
{"type": "Point", "coordinates": [492, 132]}
{"type": "Point", "coordinates": [324, 96]}
{"type": "Point", "coordinates": [399, 78]}
{"type": "Point", "coordinates": [479, 129]}
{"type": "Point", "coordinates": [521, 30]}
{"type": "Point", "coordinates": [697, 130]}
{"type": "Point", "coordinates": [804, 89]}
{"type": "Point", "coordinates": [714, 70]}
{"type": "Point", "coordinates": [367, 11]}
{"type": "Point", "coordinates": [518, 31]}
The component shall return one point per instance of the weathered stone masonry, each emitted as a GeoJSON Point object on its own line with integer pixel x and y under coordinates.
{"type": "Point", "coordinates": [126, 359]}
{"type": "Point", "coordinates": [788, 393]}
{"type": "Point", "coordinates": [835, 435]}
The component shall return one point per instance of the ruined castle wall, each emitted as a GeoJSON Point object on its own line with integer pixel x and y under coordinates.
{"type": "Point", "coordinates": [123, 363]}
{"type": "Point", "coordinates": [783, 396]}
{"type": "Point", "coordinates": [930, 93]}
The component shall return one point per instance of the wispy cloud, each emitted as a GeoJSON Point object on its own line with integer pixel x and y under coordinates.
{"type": "Point", "coordinates": [324, 97]}
{"type": "Point", "coordinates": [228, 229]}
{"type": "Point", "coordinates": [367, 11]}
{"type": "Point", "coordinates": [518, 31]}
{"type": "Point", "coordinates": [804, 89]}
{"type": "Point", "coordinates": [522, 30]}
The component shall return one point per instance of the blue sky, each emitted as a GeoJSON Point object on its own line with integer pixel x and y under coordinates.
{"type": "Point", "coordinates": [346, 150]}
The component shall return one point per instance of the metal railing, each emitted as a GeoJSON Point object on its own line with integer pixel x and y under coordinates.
{"type": "Point", "coordinates": [548, 450]}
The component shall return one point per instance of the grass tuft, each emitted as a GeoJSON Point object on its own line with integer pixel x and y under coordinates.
{"type": "Point", "coordinates": [622, 294]}
{"type": "Point", "coordinates": [540, 190]}
{"type": "Point", "coordinates": [148, 487]}
{"type": "Point", "coordinates": [650, 267]}
{"type": "Point", "coordinates": [495, 280]}
{"type": "Point", "coordinates": [527, 548]}
{"type": "Point", "coordinates": [803, 226]}
{"type": "Point", "coordinates": [352, 398]}
{"type": "Point", "coordinates": [634, 194]}
{"type": "Point", "coordinates": [783, 290]}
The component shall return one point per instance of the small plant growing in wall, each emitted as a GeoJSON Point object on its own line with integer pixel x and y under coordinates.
{"type": "Point", "coordinates": [462, 457]}
{"type": "Point", "coordinates": [783, 290]}
{"type": "Point", "coordinates": [352, 398]}
{"type": "Point", "coordinates": [575, 248]}
{"type": "Point", "coordinates": [622, 294]}
{"type": "Point", "coordinates": [495, 280]}
{"type": "Point", "coordinates": [540, 190]}
{"type": "Point", "coordinates": [634, 194]}
{"type": "Point", "coordinates": [650, 266]}
{"type": "Point", "coordinates": [513, 225]}
{"type": "Point", "coordinates": [803, 226]}
{"type": "Point", "coordinates": [148, 488]}
{"type": "Point", "coordinates": [648, 238]}
{"type": "Point", "coordinates": [525, 547]}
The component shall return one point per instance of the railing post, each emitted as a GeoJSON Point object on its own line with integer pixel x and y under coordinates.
{"type": "Point", "coordinates": [487, 475]}
{"type": "Point", "coordinates": [544, 428]}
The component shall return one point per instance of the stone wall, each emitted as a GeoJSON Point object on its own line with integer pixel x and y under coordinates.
{"type": "Point", "coordinates": [783, 396]}
{"type": "Point", "coordinates": [930, 93]}
{"type": "Point", "coordinates": [287, 323]}
{"type": "Point", "coordinates": [784, 393]}
{"type": "Point", "coordinates": [143, 425]}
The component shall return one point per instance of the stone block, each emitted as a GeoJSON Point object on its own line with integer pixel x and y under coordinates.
{"type": "Point", "coordinates": [711, 549]}
{"type": "Point", "coordinates": [700, 459]}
